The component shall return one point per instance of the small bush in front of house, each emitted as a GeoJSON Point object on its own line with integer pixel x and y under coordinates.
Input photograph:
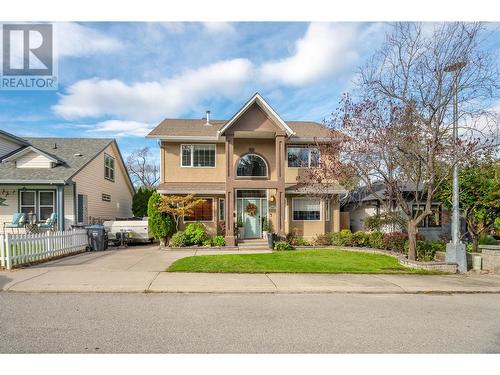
{"type": "Point", "coordinates": [376, 240]}
{"type": "Point", "coordinates": [487, 240]}
{"type": "Point", "coordinates": [282, 246]}
{"type": "Point", "coordinates": [179, 239]}
{"type": "Point", "coordinates": [207, 242]}
{"type": "Point", "coordinates": [322, 240]}
{"type": "Point", "coordinates": [196, 233]}
{"type": "Point", "coordinates": [219, 241]}
{"type": "Point", "coordinates": [346, 237]}
{"type": "Point", "coordinates": [395, 241]}
{"type": "Point", "coordinates": [300, 241]}
{"type": "Point", "coordinates": [426, 250]}
{"type": "Point", "coordinates": [360, 239]}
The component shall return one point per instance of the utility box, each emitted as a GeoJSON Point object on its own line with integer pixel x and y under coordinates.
{"type": "Point", "coordinates": [98, 239]}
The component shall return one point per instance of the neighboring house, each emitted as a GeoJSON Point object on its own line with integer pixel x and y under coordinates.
{"type": "Point", "coordinates": [79, 179]}
{"type": "Point", "coordinates": [362, 204]}
{"type": "Point", "coordinates": [251, 160]}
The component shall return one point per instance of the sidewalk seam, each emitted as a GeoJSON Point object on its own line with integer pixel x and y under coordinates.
{"type": "Point", "coordinates": [22, 281]}
{"type": "Point", "coordinates": [271, 280]}
{"type": "Point", "coordinates": [390, 282]}
{"type": "Point", "coordinates": [151, 282]}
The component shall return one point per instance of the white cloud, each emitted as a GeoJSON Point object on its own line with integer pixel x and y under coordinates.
{"type": "Point", "coordinates": [118, 128]}
{"type": "Point", "coordinates": [325, 49]}
{"type": "Point", "coordinates": [74, 39]}
{"type": "Point", "coordinates": [152, 101]}
{"type": "Point", "coordinates": [224, 28]}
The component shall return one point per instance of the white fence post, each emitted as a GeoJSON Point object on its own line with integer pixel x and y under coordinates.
{"type": "Point", "coordinates": [8, 259]}
{"type": "Point", "coordinates": [2, 250]}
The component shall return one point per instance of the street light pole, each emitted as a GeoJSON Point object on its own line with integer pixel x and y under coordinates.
{"type": "Point", "coordinates": [455, 250]}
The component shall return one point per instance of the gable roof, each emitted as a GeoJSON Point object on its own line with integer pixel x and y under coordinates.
{"type": "Point", "coordinates": [259, 100]}
{"type": "Point", "coordinates": [13, 138]}
{"type": "Point", "coordinates": [64, 150]}
{"type": "Point", "coordinates": [197, 130]}
{"type": "Point", "coordinates": [23, 151]}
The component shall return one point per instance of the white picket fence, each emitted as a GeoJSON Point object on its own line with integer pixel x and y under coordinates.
{"type": "Point", "coordinates": [17, 249]}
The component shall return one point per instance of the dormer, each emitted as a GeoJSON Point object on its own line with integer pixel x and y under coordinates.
{"type": "Point", "coordinates": [31, 157]}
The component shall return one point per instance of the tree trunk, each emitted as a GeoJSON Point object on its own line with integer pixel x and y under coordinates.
{"type": "Point", "coordinates": [475, 242]}
{"type": "Point", "coordinates": [412, 240]}
{"type": "Point", "coordinates": [163, 241]}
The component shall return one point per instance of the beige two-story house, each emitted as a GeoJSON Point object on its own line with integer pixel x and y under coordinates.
{"type": "Point", "coordinates": [246, 169]}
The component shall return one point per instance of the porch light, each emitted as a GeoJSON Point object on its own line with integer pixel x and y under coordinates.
{"type": "Point", "coordinates": [272, 199]}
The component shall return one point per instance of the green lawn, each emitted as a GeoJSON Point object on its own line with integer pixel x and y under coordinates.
{"type": "Point", "coordinates": [299, 261]}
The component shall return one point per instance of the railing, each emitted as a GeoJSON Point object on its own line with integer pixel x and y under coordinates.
{"type": "Point", "coordinates": [17, 249]}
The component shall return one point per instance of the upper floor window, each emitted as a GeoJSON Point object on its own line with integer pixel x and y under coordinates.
{"type": "Point", "coordinates": [303, 157]}
{"type": "Point", "coordinates": [109, 167]}
{"type": "Point", "coordinates": [251, 165]}
{"type": "Point", "coordinates": [198, 155]}
{"type": "Point", "coordinates": [431, 221]}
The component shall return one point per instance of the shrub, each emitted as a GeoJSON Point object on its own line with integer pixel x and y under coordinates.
{"type": "Point", "coordinates": [302, 242]}
{"type": "Point", "coordinates": [282, 246]}
{"type": "Point", "coordinates": [345, 237]}
{"type": "Point", "coordinates": [376, 240]}
{"type": "Point", "coordinates": [322, 240]}
{"type": "Point", "coordinates": [360, 239]}
{"type": "Point", "coordinates": [487, 240]}
{"type": "Point", "coordinates": [426, 250]}
{"type": "Point", "coordinates": [196, 233]}
{"type": "Point", "coordinates": [395, 241]}
{"type": "Point", "coordinates": [179, 239]}
{"type": "Point", "coordinates": [219, 241]}
{"type": "Point", "coordinates": [160, 225]}
{"type": "Point", "coordinates": [140, 202]}
{"type": "Point", "coordinates": [335, 238]}
{"type": "Point", "coordinates": [207, 242]}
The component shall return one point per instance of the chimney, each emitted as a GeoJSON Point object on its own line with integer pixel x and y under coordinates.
{"type": "Point", "coordinates": [208, 119]}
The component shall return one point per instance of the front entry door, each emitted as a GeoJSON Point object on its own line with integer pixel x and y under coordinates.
{"type": "Point", "coordinates": [251, 223]}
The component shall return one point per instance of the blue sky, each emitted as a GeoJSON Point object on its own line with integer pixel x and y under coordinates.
{"type": "Point", "coordinates": [121, 79]}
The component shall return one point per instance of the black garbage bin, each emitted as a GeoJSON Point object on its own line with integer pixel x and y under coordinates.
{"type": "Point", "coordinates": [98, 239]}
{"type": "Point", "coordinates": [271, 238]}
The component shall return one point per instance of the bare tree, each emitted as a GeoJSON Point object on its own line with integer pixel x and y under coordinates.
{"type": "Point", "coordinates": [399, 129]}
{"type": "Point", "coordinates": [143, 172]}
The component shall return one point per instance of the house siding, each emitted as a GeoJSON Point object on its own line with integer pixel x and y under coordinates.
{"type": "Point", "coordinates": [33, 160]}
{"type": "Point", "coordinates": [7, 146]}
{"type": "Point", "coordinates": [91, 182]}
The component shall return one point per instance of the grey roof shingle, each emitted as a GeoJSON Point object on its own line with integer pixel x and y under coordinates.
{"type": "Point", "coordinates": [63, 149]}
{"type": "Point", "coordinates": [197, 127]}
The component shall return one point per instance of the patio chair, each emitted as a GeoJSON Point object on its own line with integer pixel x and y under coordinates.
{"type": "Point", "coordinates": [50, 223]}
{"type": "Point", "coordinates": [19, 220]}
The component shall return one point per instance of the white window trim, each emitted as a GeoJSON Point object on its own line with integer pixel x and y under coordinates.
{"type": "Point", "coordinates": [192, 154]}
{"type": "Point", "coordinates": [427, 227]}
{"type": "Point", "coordinates": [39, 206]}
{"type": "Point", "coordinates": [203, 221]}
{"type": "Point", "coordinates": [21, 205]}
{"type": "Point", "coordinates": [308, 156]}
{"type": "Point", "coordinates": [306, 198]}
{"type": "Point", "coordinates": [114, 169]}
{"type": "Point", "coordinates": [327, 209]}
{"type": "Point", "coordinates": [223, 211]}
{"type": "Point", "coordinates": [251, 177]}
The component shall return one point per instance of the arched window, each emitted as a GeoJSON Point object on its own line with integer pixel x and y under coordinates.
{"type": "Point", "coordinates": [251, 165]}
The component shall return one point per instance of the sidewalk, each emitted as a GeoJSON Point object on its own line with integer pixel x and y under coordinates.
{"type": "Point", "coordinates": [36, 280]}
{"type": "Point", "coordinates": [141, 270]}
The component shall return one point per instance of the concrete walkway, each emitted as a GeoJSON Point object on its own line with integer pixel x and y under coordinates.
{"type": "Point", "coordinates": [141, 269]}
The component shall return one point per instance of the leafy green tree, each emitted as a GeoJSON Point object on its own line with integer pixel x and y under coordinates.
{"type": "Point", "coordinates": [140, 201]}
{"type": "Point", "coordinates": [479, 183]}
{"type": "Point", "coordinates": [161, 225]}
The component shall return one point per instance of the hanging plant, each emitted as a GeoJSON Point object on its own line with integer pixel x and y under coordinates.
{"type": "Point", "coordinates": [251, 209]}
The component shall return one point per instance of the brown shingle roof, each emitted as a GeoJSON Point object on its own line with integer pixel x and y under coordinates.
{"type": "Point", "coordinates": [197, 127]}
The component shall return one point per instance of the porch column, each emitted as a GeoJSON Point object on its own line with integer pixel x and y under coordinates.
{"type": "Point", "coordinates": [280, 183]}
{"type": "Point", "coordinates": [230, 240]}
{"type": "Point", "coordinates": [335, 216]}
{"type": "Point", "coordinates": [60, 207]}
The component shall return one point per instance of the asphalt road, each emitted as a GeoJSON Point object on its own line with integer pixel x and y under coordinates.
{"type": "Point", "coordinates": [249, 323]}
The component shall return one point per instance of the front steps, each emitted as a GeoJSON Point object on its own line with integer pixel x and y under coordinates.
{"type": "Point", "coordinates": [253, 244]}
